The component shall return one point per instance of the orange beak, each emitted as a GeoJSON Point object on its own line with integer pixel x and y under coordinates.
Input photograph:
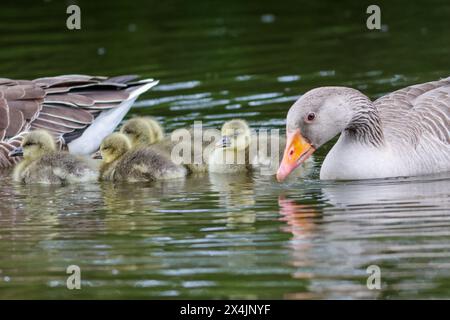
{"type": "Point", "coordinates": [296, 152]}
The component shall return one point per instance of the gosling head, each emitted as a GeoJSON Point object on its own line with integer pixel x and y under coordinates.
{"type": "Point", "coordinates": [114, 146]}
{"type": "Point", "coordinates": [34, 145]}
{"type": "Point", "coordinates": [156, 130]}
{"type": "Point", "coordinates": [142, 131]}
{"type": "Point", "coordinates": [235, 135]}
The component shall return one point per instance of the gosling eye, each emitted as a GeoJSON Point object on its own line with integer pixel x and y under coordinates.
{"type": "Point", "coordinates": [310, 117]}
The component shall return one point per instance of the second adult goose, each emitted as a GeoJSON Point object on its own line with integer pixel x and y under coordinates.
{"type": "Point", "coordinates": [404, 133]}
{"type": "Point", "coordinates": [78, 110]}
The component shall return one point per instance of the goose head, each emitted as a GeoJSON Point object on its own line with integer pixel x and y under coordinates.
{"type": "Point", "coordinates": [34, 145]}
{"type": "Point", "coordinates": [114, 146]}
{"type": "Point", "coordinates": [142, 131]}
{"type": "Point", "coordinates": [235, 135]}
{"type": "Point", "coordinates": [314, 119]}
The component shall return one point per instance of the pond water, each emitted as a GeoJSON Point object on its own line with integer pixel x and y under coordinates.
{"type": "Point", "coordinates": [215, 236]}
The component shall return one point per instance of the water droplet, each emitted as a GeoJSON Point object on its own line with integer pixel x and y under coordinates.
{"type": "Point", "coordinates": [101, 51]}
{"type": "Point", "coordinates": [132, 27]}
{"type": "Point", "coordinates": [267, 18]}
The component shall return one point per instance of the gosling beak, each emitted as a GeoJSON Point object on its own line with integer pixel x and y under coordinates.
{"type": "Point", "coordinates": [225, 142]}
{"type": "Point", "coordinates": [17, 152]}
{"type": "Point", "coordinates": [97, 155]}
{"type": "Point", "coordinates": [298, 149]}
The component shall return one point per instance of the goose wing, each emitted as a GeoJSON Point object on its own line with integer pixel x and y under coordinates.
{"type": "Point", "coordinates": [63, 105]}
{"type": "Point", "coordinates": [417, 112]}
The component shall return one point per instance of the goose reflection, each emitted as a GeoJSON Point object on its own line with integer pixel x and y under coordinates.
{"type": "Point", "coordinates": [300, 218]}
{"type": "Point", "coordinates": [352, 225]}
{"type": "Point", "coordinates": [371, 218]}
{"type": "Point", "coordinates": [407, 194]}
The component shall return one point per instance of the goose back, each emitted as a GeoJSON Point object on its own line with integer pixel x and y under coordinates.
{"type": "Point", "coordinates": [416, 112]}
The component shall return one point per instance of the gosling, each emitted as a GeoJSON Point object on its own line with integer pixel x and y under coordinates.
{"type": "Point", "coordinates": [193, 146]}
{"type": "Point", "coordinates": [143, 131]}
{"type": "Point", "coordinates": [146, 131]}
{"type": "Point", "coordinates": [42, 163]}
{"type": "Point", "coordinates": [231, 154]}
{"type": "Point", "coordinates": [121, 162]}
{"type": "Point", "coordinates": [240, 151]}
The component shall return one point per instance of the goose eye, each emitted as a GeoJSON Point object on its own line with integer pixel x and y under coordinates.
{"type": "Point", "coordinates": [311, 116]}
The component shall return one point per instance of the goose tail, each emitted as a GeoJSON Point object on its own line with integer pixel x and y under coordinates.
{"type": "Point", "coordinates": [107, 121]}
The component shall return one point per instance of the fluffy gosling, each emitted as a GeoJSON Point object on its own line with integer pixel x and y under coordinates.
{"type": "Point", "coordinates": [42, 163]}
{"type": "Point", "coordinates": [121, 162]}
{"type": "Point", "coordinates": [143, 131]}
{"type": "Point", "coordinates": [239, 150]}
{"type": "Point", "coordinates": [147, 131]}
{"type": "Point", "coordinates": [231, 154]}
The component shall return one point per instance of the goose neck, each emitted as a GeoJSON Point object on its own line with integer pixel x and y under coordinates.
{"type": "Point", "coordinates": [365, 123]}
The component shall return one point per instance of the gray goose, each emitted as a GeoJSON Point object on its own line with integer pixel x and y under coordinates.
{"type": "Point", "coordinates": [78, 110]}
{"type": "Point", "coordinates": [405, 133]}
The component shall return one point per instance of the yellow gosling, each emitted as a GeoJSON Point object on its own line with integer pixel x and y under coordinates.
{"type": "Point", "coordinates": [143, 131]}
{"type": "Point", "coordinates": [42, 163]}
{"type": "Point", "coordinates": [232, 152]}
{"type": "Point", "coordinates": [121, 162]}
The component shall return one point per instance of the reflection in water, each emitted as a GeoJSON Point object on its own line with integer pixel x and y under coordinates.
{"type": "Point", "coordinates": [299, 218]}
{"type": "Point", "coordinates": [300, 221]}
{"type": "Point", "coordinates": [131, 197]}
{"type": "Point", "coordinates": [422, 193]}
{"type": "Point", "coordinates": [65, 206]}
{"type": "Point", "coordinates": [236, 194]}
{"type": "Point", "coordinates": [397, 224]}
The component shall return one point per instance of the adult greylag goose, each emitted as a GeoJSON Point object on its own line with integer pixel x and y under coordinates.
{"type": "Point", "coordinates": [404, 133]}
{"type": "Point", "coordinates": [78, 110]}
